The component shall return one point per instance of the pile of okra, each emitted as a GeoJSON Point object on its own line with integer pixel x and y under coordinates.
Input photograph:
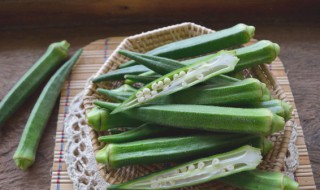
{"type": "Point", "coordinates": [187, 103]}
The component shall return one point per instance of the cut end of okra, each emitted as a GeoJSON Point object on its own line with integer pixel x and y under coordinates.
{"type": "Point", "coordinates": [289, 184]}
{"type": "Point", "coordinates": [97, 119]}
{"type": "Point", "coordinates": [249, 29]}
{"type": "Point", "coordinates": [198, 171]}
{"type": "Point", "coordinates": [102, 156]}
{"type": "Point", "coordinates": [63, 45]}
{"type": "Point", "coordinates": [287, 110]}
{"type": "Point", "coordinates": [278, 123]}
{"type": "Point", "coordinates": [267, 146]}
{"type": "Point", "coordinates": [23, 163]}
{"type": "Point", "coordinates": [180, 79]}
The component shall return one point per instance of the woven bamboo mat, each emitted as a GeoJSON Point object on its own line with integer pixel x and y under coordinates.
{"type": "Point", "coordinates": [91, 60]}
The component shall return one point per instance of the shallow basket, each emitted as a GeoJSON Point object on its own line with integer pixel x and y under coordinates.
{"type": "Point", "coordinates": [144, 42]}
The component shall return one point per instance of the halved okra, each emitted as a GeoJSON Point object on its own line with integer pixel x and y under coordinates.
{"type": "Point", "coordinates": [203, 117]}
{"type": "Point", "coordinates": [261, 52]}
{"type": "Point", "coordinates": [203, 44]}
{"type": "Point", "coordinates": [244, 92]}
{"type": "Point", "coordinates": [99, 119]}
{"type": "Point", "coordinates": [180, 79]}
{"type": "Point", "coordinates": [261, 180]}
{"type": "Point", "coordinates": [198, 171]}
{"type": "Point", "coordinates": [175, 149]}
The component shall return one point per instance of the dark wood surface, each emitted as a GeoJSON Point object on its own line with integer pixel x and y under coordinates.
{"type": "Point", "coordinates": [20, 48]}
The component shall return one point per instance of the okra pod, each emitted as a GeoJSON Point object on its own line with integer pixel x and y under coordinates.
{"type": "Point", "coordinates": [141, 79]}
{"type": "Point", "coordinates": [55, 55]}
{"type": "Point", "coordinates": [119, 73]}
{"type": "Point", "coordinates": [41, 112]}
{"type": "Point", "coordinates": [100, 120]}
{"type": "Point", "coordinates": [261, 180]}
{"type": "Point", "coordinates": [172, 149]}
{"type": "Point", "coordinates": [211, 118]}
{"type": "Point", "coordinates": [198, 171]}
{"type": "Point", "coordinates": [180, 79]}
{"type": "Point", "coordinates": [207, 43]}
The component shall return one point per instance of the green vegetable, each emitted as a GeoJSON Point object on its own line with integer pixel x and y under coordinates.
{"type": "Point", "coordinates": [26, 151]}
{"type": "Point", "coordinates": [119, 73]}
{"type": "Point", "coordinates": [142, 79]}
{"type": "Point", "coordinates": [55, 55]}
{"type": "Point", "coordinates": [145, 131]}
{"type": "Point", "coordinates": [198, 171]}
{"type": "Point", "coordinates": [125, 88]}
{"type": "Point", "coordinates": [172, 149]}
{"type": "Point", "coordinates": [116, 96]}
{"type": "Point", "coordinates": [278, 107]}
{"type": "Point", "coordinates": [261, 180]}
{"type": "Point", "coordinates": [180, 79]}
{"type": "Point", "coordinates": [207, 43]}
{"type": "Point", "coordinates": [237, 93]}
{"type": "Point", "coordinates": [210, 118]}
{"type": "Point", "coordinates": [101, 120]}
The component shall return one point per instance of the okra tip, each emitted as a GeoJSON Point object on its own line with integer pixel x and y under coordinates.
{"type": "Point", "coordinates": [289, 184]}
{"type": "Point", "coordinates": [102, 156]}
{"type": "Point", "coordinates": [23, 163]}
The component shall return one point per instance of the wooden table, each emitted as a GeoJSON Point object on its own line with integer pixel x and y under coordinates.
{"type": "Point", "coordinates": [19, 49]}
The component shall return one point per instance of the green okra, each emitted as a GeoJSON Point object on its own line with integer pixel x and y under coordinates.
{"type": "Point", "coordinates": [261, 180]}
{"type": "Point", "coordinates": [116, 96]}
{"type": "Point", "coordinates": [119, 73]}
{"type": "Point", "coordinates": [142, 79]}
{"type": "Point", "coordinates": [41, 112]}
{"type": "Point", "coordinates": [197, 171]}
{"type": "Point", "coordinates": [172, 149]}
{"type": "Point", "coordinates": [99, 119]}
{"type": "Point", "coordinates": [207, 43]}
{"type": "Point", "coordinates": [145, 131]}
{"type": "Point", "coordinates": [55, 56]}
{"type": "Point", "coordinates": [203, 117]}
{"type": "Point", "coordinates": [278, 107]}
{"type": "Point", "coordinates": [180, 79]}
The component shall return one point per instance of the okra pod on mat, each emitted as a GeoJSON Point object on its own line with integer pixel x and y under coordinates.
{"type": "Point", "coordinates": [211, 118]}
{"type": "Point", "coordinates": [207, 43]}
{"type": "Point", "coordinates": [175, 149]}
{"type": "Point", "coordinates": [198, 171]}
{"type": "Point", "coordinates": [41, 112]}
{"type": "Point", "coordinates": [261, 180]}
{"type": "Point", "coordinates": [55, 56]}
{"type": "Point", "coordinates": [180, 79]}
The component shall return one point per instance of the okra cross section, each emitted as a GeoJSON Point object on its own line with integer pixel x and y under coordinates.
{"type": "Point", "coordinates": [198, 171]}
{"type": "Point", "coordinates": [182, 78]}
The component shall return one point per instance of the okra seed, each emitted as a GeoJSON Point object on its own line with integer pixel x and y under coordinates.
{"type": "Point", "coordinates": [147, 96]}
{"type": "Point", "coordinates": [215, 161]}
{"type": "Point", "coordinates": [141, 99]}
{"type": "Point", "coordinates": [200, 165]}
{"type": "Point", "coordinates": [191, 167]}
{"type": "Point", "coordinates": [175, 76]}
{"type": "Point", "coordinates": [154, 86]}
{"type": "Point", "coordinates": [139, 94]}
{"type": "Point", "coordinates": [154, 92]}
{"type": "Point", "coordinates": [146, 91]}
{"type": "Point", "coordinates": [230, 168]}
{"type": "Point", "coordinates": [160, 85]}
{"type": "Point", "coordinates": [167, 81]}
{"type": "Point", "coordinates": [182, 73]}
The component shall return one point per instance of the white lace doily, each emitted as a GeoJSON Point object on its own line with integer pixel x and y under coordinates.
{"type": "Point", "coordinates": [79, 154]}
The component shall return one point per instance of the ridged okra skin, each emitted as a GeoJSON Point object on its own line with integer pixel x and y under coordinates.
{"type": "Point", "coordinates": [101, 120]}
{"type": "Point", "coordinates": [198, 171]}
{"type": "Point", "coordinates": [172, 149]}
{"type": "Point", "coordinates": [119, 73]}
{"type": "Point", "coordinates": [261, 180]}
{"type": "Point", "coordinates": [212, 118]}
{"type": "Point", "coordinates": [55, 56]}
{"type": "Point", "coordinates": [199, 45]}
{"type": "Point", "coordinates": [181, 79]}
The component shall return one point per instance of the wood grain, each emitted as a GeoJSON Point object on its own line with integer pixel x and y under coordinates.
{"type": "Point", "coordinates": [300, 45]}
{"type": "Point", "coordinates": [79, 12]}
